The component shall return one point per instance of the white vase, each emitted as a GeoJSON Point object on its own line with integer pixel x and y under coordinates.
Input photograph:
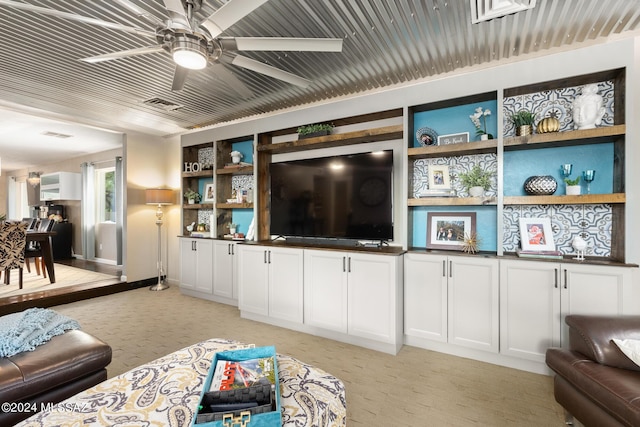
{"type": "Point", "coordinates": [476, 191]}
{"type": "Point", "coordinates": [235, 159]}
{"type": "Point", "coordinates": [484, 137]}
{"type": "Point", "coordinates": [573, 190]}
{"type": "Point", "coordinates": [191, 201]}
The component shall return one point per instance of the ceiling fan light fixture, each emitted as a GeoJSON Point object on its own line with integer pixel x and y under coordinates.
{"type": "Point", "coordinates": [189, 52]}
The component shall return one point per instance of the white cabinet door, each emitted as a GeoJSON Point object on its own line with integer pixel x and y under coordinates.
{"type": "Point", "coordinates": [529, 308]}
{"type": "Point", "coordinates": [223, 269]}
{"type": "Point", "coordinates": [372, 296]}
{"type": "Point", "coordinates": [425, 296]}
{"type": "Point", "coordinates": [196, 269]}
{"type": "Point", "coordinates": [204, 269]}
{"type": "Point", "coordinates": [188, 263]}
{"type": "Point", "coordinates": [325, 289]}
{"type": "Point", "coordinates": [285, 283]}
{"type": "Point", "coordinates": [474, 302]}
{"type": "Point", "coordinates": [253, 279]}
{"type": "Point", "coordinates": [597, 290]}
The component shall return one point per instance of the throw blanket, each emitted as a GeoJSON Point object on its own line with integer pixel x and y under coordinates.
{"type": "Point", "coordinates": [26, 330]}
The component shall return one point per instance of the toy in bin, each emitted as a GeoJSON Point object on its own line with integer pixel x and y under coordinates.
{"type": "Point", "coordinates": [241, 389]}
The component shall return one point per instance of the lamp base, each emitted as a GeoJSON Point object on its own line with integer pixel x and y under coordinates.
{"type": "Point", "coordinates": [160, 286]}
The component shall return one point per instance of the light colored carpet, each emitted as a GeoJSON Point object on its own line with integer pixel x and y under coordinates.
{"type": "Point", "coordinates": [65, 276]}
{"type": "Point", "coordinates": [414, 388]}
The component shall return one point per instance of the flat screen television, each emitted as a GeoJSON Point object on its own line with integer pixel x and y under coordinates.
{"type": "Point", "coordinates": [338, 197]}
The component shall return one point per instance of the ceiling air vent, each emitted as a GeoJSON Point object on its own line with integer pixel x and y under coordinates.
{"type": "Point", "coordinates": [162, 104]}
{"type": "Point", "coordinates": [56, 134]}
{"type": "Point", "coordinates": [484, 10]}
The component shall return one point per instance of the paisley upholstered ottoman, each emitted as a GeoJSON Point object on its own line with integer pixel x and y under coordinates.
{"type": "Point", "coordinates": [167, 392]}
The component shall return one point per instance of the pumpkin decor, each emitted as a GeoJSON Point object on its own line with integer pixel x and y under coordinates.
{"type": "Point", "coordinates": [548, 124]}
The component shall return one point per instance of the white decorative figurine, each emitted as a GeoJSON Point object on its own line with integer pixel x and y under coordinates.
{"type": "Point", "coordinates": [236, 156]}
{"type": "Point", "coordinates": [588, 108]}
{"type": "Point", "coordinates": [580, 245]}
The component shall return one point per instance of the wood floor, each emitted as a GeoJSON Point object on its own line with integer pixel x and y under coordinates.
{"type": "Point", "coordinates": [69, 294]}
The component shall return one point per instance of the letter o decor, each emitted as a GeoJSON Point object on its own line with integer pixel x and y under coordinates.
{"type": "Point", "coordinates": [192, 167]}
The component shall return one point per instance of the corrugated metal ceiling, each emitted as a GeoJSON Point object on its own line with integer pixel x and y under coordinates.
{"type": "Point", "coordinates": [385, 43]}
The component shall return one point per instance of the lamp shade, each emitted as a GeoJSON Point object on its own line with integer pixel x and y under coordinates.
{"type": "Point", "coordinates": [159, 196]}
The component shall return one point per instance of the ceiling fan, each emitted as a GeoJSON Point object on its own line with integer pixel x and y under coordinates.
{"type": "Point", "coordinates": [194, 45]}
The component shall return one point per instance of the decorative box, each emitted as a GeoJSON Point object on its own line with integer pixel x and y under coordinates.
{"type": "Point", "coordinates": [242, 388]}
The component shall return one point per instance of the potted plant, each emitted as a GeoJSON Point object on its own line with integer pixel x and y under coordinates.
{"type": "Point", "coordinates": [476, 180]}
{"type": "Point", "coordinates": [481, 128]}
{"type": "Point", "coordinates": [523, 121]}
{"type": "Point", "coordinates": [192, 196]}
{"type": "Point", "coordinates": [318, 129]}
{"type": "Point", "coordinates": [233, 228]}
{"type": "Point", "coordinates": [573, 186]}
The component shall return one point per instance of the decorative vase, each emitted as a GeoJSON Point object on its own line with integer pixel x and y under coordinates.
{"type": "Point", "coordinates": [235, 159]}
{"type": "Point", "coordinates": [191, 201]}
{"type": "Point", "coordinates": [232, 230]}
{"type": "Point", "coordinates": [573, 190]}
{"type": "Point", "coordinates": [524, 130]}
{"type": "Point", "coordinates": [484, 137]}
{"type": "Point", "coordinates": [540, 185]}
{"type": "Point", "coordinates": [476, 191]}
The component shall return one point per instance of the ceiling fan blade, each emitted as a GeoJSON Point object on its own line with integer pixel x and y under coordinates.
{"type": "Point", "coordinates": [289, 44]}
{"type": "Point", "coordinates": [229, 78]}
{"type": "Point", "coordinates": [179, 77]}
{"type": "Point", "coordinates": [268, 70]}
{"type": "Point", "coordinates": [79, 18]}
{"type": "Point", "coordinates": [177, 14]}
{"type": "Point", "coordinates": [141, 13]}
{"type": "Point", "coordinates": [229, 14]}
{"type": "Point", "coordinates": [123, 54]}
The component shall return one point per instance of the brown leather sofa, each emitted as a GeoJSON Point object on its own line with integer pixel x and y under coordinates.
{"type": "Point", "coordinates": [53, 372]}
{"type": "Point", "coordinates": [595, 382]}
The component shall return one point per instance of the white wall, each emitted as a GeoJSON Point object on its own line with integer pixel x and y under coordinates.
{"type": "Point", "coordinates": [148, 164]}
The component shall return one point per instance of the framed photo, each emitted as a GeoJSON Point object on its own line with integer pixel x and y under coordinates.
{"type": "Point", "coordinates": [536, 234]}
{"type": "Point", "coordinates": [446, 230]}
{"type": "Point", "coordinates": [439, 178]}
{"type": "Point", "coordinates": [209, 193]}
{"type": "Point", "coordinates": [453, 138]}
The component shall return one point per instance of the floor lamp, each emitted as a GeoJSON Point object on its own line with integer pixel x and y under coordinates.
{"type": "Point", "coordinates": [160, 197]}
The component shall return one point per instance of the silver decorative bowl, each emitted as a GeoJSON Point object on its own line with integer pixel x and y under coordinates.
{"type": "Point", "coordinates": [540, 185]}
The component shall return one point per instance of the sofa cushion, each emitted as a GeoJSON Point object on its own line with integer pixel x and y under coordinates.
{"type": "Point", "coordinates": [615, 390]}
{"type": "Point", "coordinates": [593, 337]}
{"type": "Point", "coordinates": [63, 359]}
{"type": "Point", "coordinates": [631, 349]}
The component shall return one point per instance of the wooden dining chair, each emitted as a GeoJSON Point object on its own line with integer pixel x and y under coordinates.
{"type": "Point", "coordinates": [13, 239]}
{"type": "Point", "coordinates": [35, 251]}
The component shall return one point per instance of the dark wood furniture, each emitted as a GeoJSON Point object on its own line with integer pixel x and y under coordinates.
{"type": "Point", "coordinates": [46, 252]}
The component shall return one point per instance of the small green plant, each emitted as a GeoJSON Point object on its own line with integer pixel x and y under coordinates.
{"type": "Point", "coordinates": [570, 181]}
{"type": "Point", "coordinates": [190, 194]}
{"type": "Point", "coordinates": [319, 127]}
{"type": "Point", "coordinates": [476, 177]}
{"type": "Point", "coordinates": [523, 118]}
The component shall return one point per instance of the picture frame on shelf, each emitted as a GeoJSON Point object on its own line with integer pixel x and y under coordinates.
{"type": "Point", "coordinates": [426, 136]}
{"type": "Point", "coordinates": [209, 193]}
{"type": "Point", "coordinates": [439, 177]}
{"type": "Point", "coordinates": [453, 138]}
{"type": "Point", "coordinates": [536, 234]}
{"type": "Point", "coordinates": [446, 230]}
